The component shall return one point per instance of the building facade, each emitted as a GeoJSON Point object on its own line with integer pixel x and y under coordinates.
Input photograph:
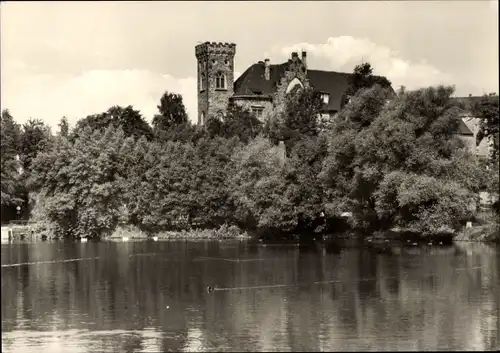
{"type": "Point", "coordinates": [262, 88]}
{"type": "Point", "coordinates": [215, 78]}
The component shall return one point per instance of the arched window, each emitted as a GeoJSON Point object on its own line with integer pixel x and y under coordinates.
{"type": "Point", "coordinates": [294, 85]}
{"type": "Point", "coordinates": [203, 81]}
{"type": "Point", "coordinates": [220, 81]}
{"type": "Point", "coordinates": [202, 118]}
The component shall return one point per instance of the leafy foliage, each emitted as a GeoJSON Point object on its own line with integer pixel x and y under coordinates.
{"type": "Point", "coordinates": [271, 197]}
{"type": "Point", "coordinates": [79, 185]}
{"type": "Point", "coordinates": [238, 122]}
{"type": "Point", "coordinates": [362, 78]}
{"type": "Point", "coordinates": [36, 137]}
{"type": "Point", "coordinates": [390, 160]}
{"type": "Point", "coordinates": [300, 118]}
{"type": "Point", "coordinates": [487, 111]}
{"type": "Point", "coordinates": [401, 163]}
{"type": "Point", "coordinates": [129, 120]}
{"type": "Point", "coordinates": [175, 185]}
{"type": "Point", "coordinates": [64, 127]}
{"type": "Point", "coordinates": [10, 137]}
{"type": "Point", "coordinates": [172, 112]}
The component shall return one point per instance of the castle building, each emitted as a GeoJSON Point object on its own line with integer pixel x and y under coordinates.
{"type": "Point", "coordinates": [263, 86]}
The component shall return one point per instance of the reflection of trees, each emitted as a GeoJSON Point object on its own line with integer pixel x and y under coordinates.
{"type": "Point", "coordinates": [433, 298]}
{"type": "Point", "coordinates": [415, 302]}
{"type": "Point", "coordinates": [116, 292]}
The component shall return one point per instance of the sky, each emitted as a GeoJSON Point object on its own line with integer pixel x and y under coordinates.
{"type": "Point", "coordinates": [74, 59]}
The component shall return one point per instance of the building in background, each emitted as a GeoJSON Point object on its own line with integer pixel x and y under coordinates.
{"type": "Point", "coordinates": [262, 87]}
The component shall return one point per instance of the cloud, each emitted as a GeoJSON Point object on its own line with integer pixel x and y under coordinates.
{"type": "Point", "coordinates": [345, 52]}
{"type": "Point", "coordinates": [50, 97]}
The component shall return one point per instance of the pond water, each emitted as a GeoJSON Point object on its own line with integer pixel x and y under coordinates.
{"type": "Point", "coordinates": [152, 296]}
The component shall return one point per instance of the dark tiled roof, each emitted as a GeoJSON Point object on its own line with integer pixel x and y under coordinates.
{"type": "Point", "coordinates": [331, 82]}
{"type": "Point", "coordinates": [252, 82]}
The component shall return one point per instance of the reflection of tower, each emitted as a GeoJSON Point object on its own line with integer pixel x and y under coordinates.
{"type": "Point", "coordinates": [215, 78]}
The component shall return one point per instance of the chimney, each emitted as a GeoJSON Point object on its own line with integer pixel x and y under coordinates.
{"type": "Point", "coordinates": [304, 59]}
{"type": "Point", "coordinates": [267, 70]}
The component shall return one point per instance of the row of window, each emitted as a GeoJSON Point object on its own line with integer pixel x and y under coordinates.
{"type": "Point", "coordinates": [257, 112]}
{"type": "Point", "coordinates": [220, 81]}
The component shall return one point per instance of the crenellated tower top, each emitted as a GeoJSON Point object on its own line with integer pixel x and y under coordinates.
{"type": "Point", "coordinates": [215, 48]}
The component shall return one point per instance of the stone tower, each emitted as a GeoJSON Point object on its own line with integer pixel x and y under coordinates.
{"type": "Point", "coordinates": [215, 78]}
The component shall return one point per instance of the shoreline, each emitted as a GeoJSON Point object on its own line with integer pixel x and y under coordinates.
{"type": "Point", "coordinates": [486, 233]}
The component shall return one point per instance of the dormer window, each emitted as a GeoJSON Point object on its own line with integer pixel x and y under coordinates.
{"type": "Point", "coordinates": [257, 111]}
{"type": "Point", "coordinates": [220, 81]}
{"type": "Point", "coordinates": [203, 82]}
{"type": "Point", "coordinates": [325, 97]}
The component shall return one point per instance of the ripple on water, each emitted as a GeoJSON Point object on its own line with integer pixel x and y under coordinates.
{"type": "Point", "coordinates": [152, 296]}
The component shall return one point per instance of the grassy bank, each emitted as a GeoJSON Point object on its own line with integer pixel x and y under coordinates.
{"type": "Point", "coordinates": [223, 232]}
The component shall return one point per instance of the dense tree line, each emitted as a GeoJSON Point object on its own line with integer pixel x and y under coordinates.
{"type": "Point", "coordinates": [391, 159]}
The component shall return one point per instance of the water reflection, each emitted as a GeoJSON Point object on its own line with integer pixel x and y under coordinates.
{"type": "Point", "coordinates": [145, 296]}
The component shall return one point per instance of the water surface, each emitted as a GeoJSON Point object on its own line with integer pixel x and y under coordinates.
{"type": "Point", "coordinates": [152, 296]}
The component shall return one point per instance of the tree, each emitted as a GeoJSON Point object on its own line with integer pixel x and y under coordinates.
{"type": "Point", "coordinates": [10, 137]}
{"type": "Point", "coordinates": [401, 163]}
{"type": "Point", "coordinates": [172, 112]}
{"type": "Point", "coordinates": [237, 122]}
{"type": "Point", "coordinates": [125, 118]}
{"type": "Point", "coordinates": [36, 137]}
{"type": "Point", "coordinates": [79, 185]}
{"type": "Point", "coordinates": [258, 188]}
{"type": "Point", "coordinates": [299, 119]}
{"type": "Point", "coordinates": [184, 132]}
{"type": "Point", "coordinates": [64, 127]}
{"type": "Point", "coordinates": [487, 111]}
{"type": "Point", "coordinates": [212, 169]}
{"type": "Point", "coordinates": [362, 77]}
{"type": "Point", "coordinates": [160, 192]}
{"type": "Point", "coordinates": [130, 121]}
{"type": "Point", "coordinates": [306, 191]}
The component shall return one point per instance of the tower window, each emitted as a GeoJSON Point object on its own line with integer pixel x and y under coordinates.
{"type": "Point", "coordinates": [257, 112]}
{"type": "Point", "coordinates": [325, 97]}
{"type": "Point", "coordinates": [203, 82]}
{"type": "Point", "coordinates": [220, 81]}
